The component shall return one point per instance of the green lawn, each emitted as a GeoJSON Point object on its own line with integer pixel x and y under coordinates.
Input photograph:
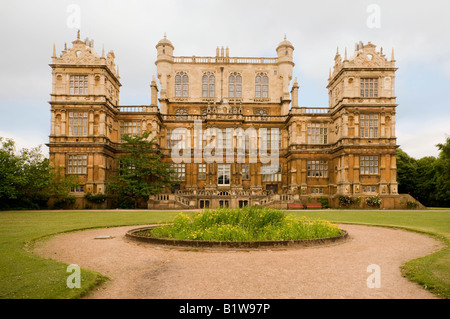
{"type": "Point", "coordinates": [25, 275]}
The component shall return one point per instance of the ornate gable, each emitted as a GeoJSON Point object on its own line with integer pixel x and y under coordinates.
{"type": "Point", "coordinates": [83, 53]}
{"type": "Point", "coordinates": [365, 56]}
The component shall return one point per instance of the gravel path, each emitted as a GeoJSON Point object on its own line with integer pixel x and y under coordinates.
{"type": "Point", "coordinates": [140, 270]}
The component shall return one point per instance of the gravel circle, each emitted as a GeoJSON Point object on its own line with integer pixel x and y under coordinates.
{"type": "Point", "coordinates": [339, 270]}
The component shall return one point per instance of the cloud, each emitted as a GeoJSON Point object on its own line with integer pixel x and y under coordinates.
{"type": "Point", "coordinates": [419, 138]}
{"type": "Point", "coordinates": [415, 29]}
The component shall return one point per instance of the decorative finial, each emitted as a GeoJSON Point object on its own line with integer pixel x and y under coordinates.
{"type": "Point", "coordinates": [381, 51]}
{"type": "Point", "coordinates": [329, 76]}
{"type": "Point", "coordinates": [392, 56]}
{"type": "Point", "coordinates": [285, 37]}
{"type": "Point", "coordinates": [103, 51]}
{"type": "Point", "coordinates": [54, 51]}
{"type": "Point", "coordinates": [337, 50]}
{"type": "Point", "coordinates": [165, 36]}
{"type": "Point", "coordinates": [78, 34]}
{"type": "Point", "coordinates": [345, 56]}
{"type": "Point", "coordinates": [65, 46]}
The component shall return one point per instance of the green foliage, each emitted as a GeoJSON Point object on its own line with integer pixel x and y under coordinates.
{"type": "Point", "coordinates": [27, 180]}
{"type": "Point", "coordinates": [412, 204]}
{"type": "Point", "coordinates": [246, 224]}
{"type": "Point", "coordinates": [97, 198]}
{"type": "Point", "coordinates": [24, 275]}
{"type": "Point", "coordinates": [324, 202]}
{"type": "Point", "coordinates": [64, 202]}
{"type": "Point", "coordinates": [374, 201]}
{"type": "Point", "coordinates": [140, 172]}
{"type": "Point", "coordinates": [426, 179]}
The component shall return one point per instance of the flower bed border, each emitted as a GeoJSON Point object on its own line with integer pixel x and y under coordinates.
{"type": "Point", "coordinates": [232, 244]}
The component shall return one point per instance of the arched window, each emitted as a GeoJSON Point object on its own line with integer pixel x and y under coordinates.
{"type": "Point", "coordinates": [181, 84]}
{"type": "Point", "coordinates": [261, 85]}
{"type": "Point", "coordinates": [208, 84]}
{"type": "Point", "coordinates": [235, 85]}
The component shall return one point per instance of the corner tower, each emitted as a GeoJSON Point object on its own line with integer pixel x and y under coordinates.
{"type": "Point", "coordinates": [84, 101]}
{"type": "Point", "coordinates": [362, 103]}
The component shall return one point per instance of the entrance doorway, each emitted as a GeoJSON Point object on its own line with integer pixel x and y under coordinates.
{"type": "Point", "coordinates": [223, 203]}
{"type": "Point", "coordinates": [243, 203]}
{"type": "Point", "coordinates": [272, 187]}
{"type": "Point", "coordinates": [204, 203]}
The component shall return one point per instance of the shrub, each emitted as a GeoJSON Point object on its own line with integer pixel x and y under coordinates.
{"type": "Point", "coordinates": [324, 202]}
{"type": "Point", "coordinates": [412, 204]}
{"type": "Point", "coordinates": [64, 202]}
{"type": "Point", "coordinates": [345, 200]}
{"type": "Point", "coordinates": [246, 224]}
{"type": "Point", "coordinates": [374, 201]}
{"type": "Point", "coordinates": [97, 198]}
{"type": "Point", "coordinates": [348, 200]}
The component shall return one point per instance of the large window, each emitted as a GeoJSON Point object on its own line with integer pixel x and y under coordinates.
{"type": "Point", "coordinates": [317, 133]}
{"type": "Point", "coordinates": [368, 125]}
{"type": "Point", "coordinates": [208, 84]}
{"type": "Point", "coordinates": [261, 85]}
{"type": "Point", "coordinates": [245, 172]}
{"type": "Point", "coordinates": [76, 164]}
{"type": "Point", "coordinates": [131, 128]}
{"type": "Point", "coordinates": [271, 173]}
{"type": "Point", "coordinates": [369, 87]}
{"type": "Point", "coordinates": [317, 190]}
{"type": "Point", "coordinates": [181, 84]}
{"type": "Point", "coordinates": [201, 172]}
{"type": "Point", "coordinates": [369, 189]}
{"type": "Point", "coordinates": [173, 138]}
{"type": "Point", "coordinates": [78, 84]}
{"type": "Point", "coordinates": [317, 169]}
{"type": "Point", "coordinates": [368, 165]}
{"type": "Point", "coordinates": [235, 85]}
{"type": "Point", "coordinates": [271, 137]}
{"type": "Point", "coordinates": [179, 172]}
{"type": "Point", "coordinates": [78, 123]}
{"type": "Point", "coordinates": [223, 174]}
{"type": "Point", "coordinates": [77, 189]}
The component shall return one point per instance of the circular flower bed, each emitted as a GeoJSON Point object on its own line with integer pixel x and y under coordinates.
{"type": "Point", "coordinates": [241, 228]}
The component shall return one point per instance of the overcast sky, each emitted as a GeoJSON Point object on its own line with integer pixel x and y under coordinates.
{"type": "Point", "coordinates": [417, 30]}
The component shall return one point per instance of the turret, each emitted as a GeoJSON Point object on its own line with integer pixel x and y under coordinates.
{"type": "Point", "coordinates": [285, 51]}
{"type": "Point", "coordinates": [163, 63]}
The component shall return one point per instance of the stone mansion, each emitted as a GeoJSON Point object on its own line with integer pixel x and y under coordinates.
{"type": "Point", "coordinates": [345, 148]}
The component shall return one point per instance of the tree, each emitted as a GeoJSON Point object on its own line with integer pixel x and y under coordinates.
{"type": "Point", "coordinates": [426, 179]}
{"type": "Point", "coordinates": [443, 174]}
{"type": "Point", "coordinates": [27, 180]}
{"type": "Point", "coordinates": [406, 173]}
{"type": "Point", "coordinates": [140, 172]}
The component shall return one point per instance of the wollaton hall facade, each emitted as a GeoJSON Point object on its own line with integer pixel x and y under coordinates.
{"type": "Point", "coordinates": [345, 148]}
